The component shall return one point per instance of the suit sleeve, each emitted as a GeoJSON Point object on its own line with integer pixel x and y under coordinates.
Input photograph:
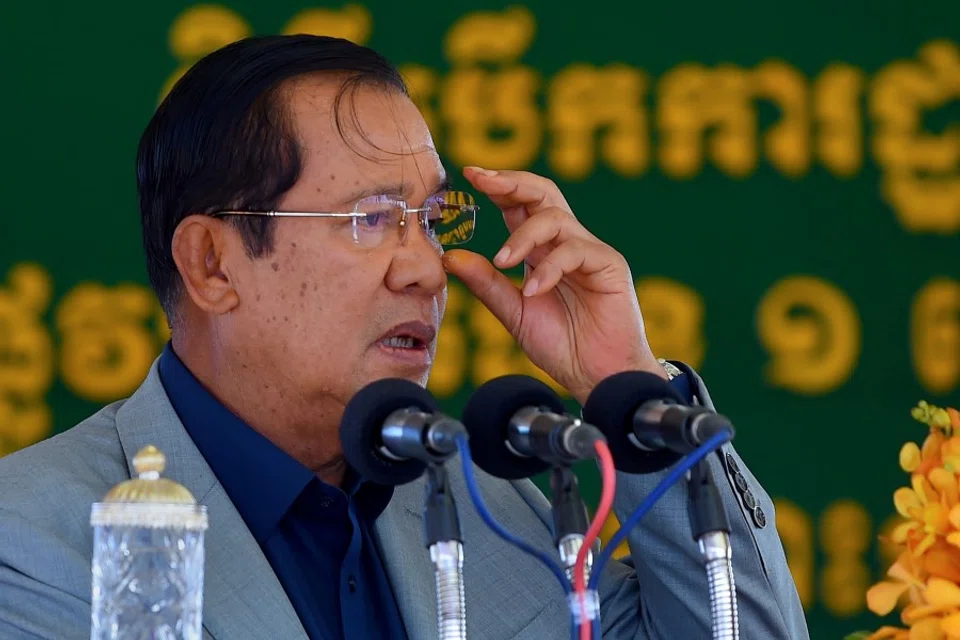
{"type": "Point", "coordinates": [33, 562]}
{"type": "Point", "coordinates": [33, 610]}
{"type": "Point", "coordinates": [660, 591]}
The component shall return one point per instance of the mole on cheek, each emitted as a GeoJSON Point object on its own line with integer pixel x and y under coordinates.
{"type": "Point", "coordinates": [333, 178]}
{"type": "Point", "coordinates": [303, 289]}
{"type": "Point", "coordinates": [275, 266]}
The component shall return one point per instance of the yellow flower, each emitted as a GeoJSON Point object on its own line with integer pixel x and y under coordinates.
{"type": "Point", "coordinates": [926, 575]}
{"type": "Point", "coordinates": [906, 573]}
{"type": "Point", "coordinates": [942, 560]}
{"type": "Point", "coordinates": [945, 483]}
{"type": "Point", "coordinates": [910, 457]}
{"type": "Point", "coordinates": [926, 507]}
{"type": "Point", "coordinates": [935, 417]}
{"type": "Point", "coordinates": [950, 454]}
{"type": "Point", "coordinates": [951, 625]}
{"type": "Point", "coordinates": [930, 452]}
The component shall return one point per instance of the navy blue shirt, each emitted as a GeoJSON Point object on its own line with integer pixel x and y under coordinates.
{"type": "Point", "coordinates": [316, 537]}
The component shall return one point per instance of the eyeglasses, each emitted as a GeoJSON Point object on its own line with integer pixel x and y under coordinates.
{"type": "Point", "coordinates": [447, 218]}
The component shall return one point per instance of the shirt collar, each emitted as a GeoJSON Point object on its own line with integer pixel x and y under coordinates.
{"type": "Point", "coordinates": [261, 480]}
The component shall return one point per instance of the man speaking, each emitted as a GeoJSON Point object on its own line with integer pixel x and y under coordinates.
{"type": "Point", "coordinates": [278, 320]}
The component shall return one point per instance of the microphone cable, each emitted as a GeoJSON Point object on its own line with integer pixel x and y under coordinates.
{"type": "Point", "coordinates": [675, 475]}
{"type": "Point", "coordinates": [474, 490]}
{"type": "Point", "coordinates": [588, 602]}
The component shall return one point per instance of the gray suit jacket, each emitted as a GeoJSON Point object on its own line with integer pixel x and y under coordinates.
{"type": "Point", "coordinates": [46, 545]}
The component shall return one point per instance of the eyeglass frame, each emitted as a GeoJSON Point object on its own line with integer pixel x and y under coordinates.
{"type": "Point", "coordinates": [405, 212]}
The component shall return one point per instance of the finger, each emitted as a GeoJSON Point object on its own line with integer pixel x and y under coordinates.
{"type": "Point", "coordinates": [490, 286]}
{"type": "Point", "coordinates": [577, 257]}
{"type": "Point", "coordinates": [550, 226]}
{"type": "Point", "coordinates": [519, 194]}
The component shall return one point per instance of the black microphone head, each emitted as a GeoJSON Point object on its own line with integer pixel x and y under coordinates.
{"type": "Point", "coordinates": [611, 407]}
{"type": "Point", "coordinates": [361, 429]}
{"type": "Point", "coordinates": [487, 419]}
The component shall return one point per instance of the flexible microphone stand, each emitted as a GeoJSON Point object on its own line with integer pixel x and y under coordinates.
{"type": "Point", "coordinates": [442, 527]}
{"type": "Point", "coordinates": [711, 530]}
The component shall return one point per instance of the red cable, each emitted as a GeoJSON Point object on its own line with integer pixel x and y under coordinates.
{"type": "Point", "coordinates": [608, 475]}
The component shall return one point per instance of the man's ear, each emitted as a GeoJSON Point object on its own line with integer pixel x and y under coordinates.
{"type": "Point", "coordinates": [200, 245]}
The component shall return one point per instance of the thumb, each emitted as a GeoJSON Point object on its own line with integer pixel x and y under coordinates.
{"type": "Point", "coordinates": [490, 286]}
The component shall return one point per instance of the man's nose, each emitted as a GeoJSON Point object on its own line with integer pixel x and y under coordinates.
{"type": "Point", "coordinates": [417, 262]}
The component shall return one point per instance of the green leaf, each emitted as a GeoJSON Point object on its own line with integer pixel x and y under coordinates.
{"type": "Point", "coordinates": [859, 635]}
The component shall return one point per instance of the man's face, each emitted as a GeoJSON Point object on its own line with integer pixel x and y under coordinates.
{"type": "Point", "coordinates": [316, 316]}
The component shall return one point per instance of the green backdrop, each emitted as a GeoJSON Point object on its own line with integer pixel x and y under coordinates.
{"type": "Point", "coordinates": [784, 179]}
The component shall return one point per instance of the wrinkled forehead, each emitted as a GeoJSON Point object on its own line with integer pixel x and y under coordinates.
{"type": "Point", "coordinates": [362, 134]}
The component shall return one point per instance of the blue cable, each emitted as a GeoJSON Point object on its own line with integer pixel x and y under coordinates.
{"type": "Point", "coordinates": [673, 477]}
{"type": "Point", "coordinates": [496, 527]}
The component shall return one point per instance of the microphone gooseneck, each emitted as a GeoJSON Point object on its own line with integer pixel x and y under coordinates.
{"type": "Point", "coordinates": [711, 531]}
{"type": "Point", "coordinates": [445, 544]}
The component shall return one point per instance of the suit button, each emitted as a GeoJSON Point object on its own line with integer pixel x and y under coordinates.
{"type": "Point", "coordinates": [732, 466]}
{"type": "Point", "coordinates": [749, 501]}
{"type": "Point", "coordinates": [759, 518]}
{"type": "Point", "coordinates": [740, 482]}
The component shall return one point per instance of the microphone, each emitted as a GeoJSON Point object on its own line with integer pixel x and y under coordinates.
{"type": "Point", "coordinates": [647, 423]}
{"type": "Point", "coordinates": [392, 429]}
{"type": "Point", "coordinates": [391, 433]}
{"type": "Point", "coordinates": [518, 428]}
{"type": "Point", "coordinates": [649, 427]}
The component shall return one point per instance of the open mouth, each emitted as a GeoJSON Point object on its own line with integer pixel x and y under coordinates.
{"type": "Point", "coordinates": [409, 339]}
{"type": "Point", "coordinates": [404, 342]}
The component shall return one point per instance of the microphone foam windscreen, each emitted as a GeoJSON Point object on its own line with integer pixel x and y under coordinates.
{"type": "Point", "coordinates": [611, 407]}
{"type": "Point", "coordinates": [361, 429]}
{"type": "Point", "coordinates": [487, 418]}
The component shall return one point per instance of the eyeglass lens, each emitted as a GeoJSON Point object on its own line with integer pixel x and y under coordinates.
{"type": "Point", "coordinates": [448, 219]}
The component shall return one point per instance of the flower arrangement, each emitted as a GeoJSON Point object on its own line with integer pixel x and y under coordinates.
{"type": "Point", "coordinates": [926, 576]}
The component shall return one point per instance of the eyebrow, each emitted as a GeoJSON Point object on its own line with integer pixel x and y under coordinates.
{"type": "Point", "coordinates": [398, 190]}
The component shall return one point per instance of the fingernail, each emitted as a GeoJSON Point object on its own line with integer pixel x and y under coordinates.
{"type": "Point", "coordinates": [530, 287]}
{"type": "Point", "coordinates": [502, 255]}
{"type": "Point", "coordinates": [487, 172]}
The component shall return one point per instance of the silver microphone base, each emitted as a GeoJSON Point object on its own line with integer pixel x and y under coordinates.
{"type": "Point", "coordinates": [717, 553]}
{"type": "Point", "coordinates": [447, 558]}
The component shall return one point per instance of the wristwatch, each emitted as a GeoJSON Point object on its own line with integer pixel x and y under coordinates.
{"type": "Point", "coordinates": [672, 370]}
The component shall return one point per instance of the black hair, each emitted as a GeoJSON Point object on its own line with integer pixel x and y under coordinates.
{"type": "Point", "coordinates": [223, 139]}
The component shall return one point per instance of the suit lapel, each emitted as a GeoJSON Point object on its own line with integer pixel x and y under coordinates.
{"type": "Point", "coordinates": [506, 590]}
{"type": "Point", "coordinates": [399, 537]}
{"type": "Point", "coordinates": [242, 596]}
